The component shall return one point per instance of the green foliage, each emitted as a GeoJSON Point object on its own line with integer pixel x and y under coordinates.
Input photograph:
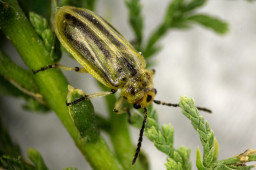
{"type": "Point", "coordinates": [51, 43]}
{"type": "Point", "coordinates": [210, 144]}
{"type": "Point", "coordinates": [41, 7]}
{"type": "Point", "coordinates": [172, 164]}
{"type": "Point", "coordinates": [39, 23]}
{"type": "Point", "coordinates": [136, 20]}
{"type": "Point", "coordinates": [70, 168]}
{"type": "Point", "coordinates": [207, 21]}
{"type": "Point", "coordinates": [202, 127]}
{"type": "Point", "coordinates": [77, 3]}
{"type": "Point", "coordinates": [83, 115]}
{"type": "Point", "coordinates": [37, 159]}
{"type": "Point", "coordinates": [17, 163]}
{"type": "Point", "coordinates": [193, 4]}
{"type": "Point", "coordinates": [163, 140]}
{"type": "Point", "coordinates": [88, 4]}
{"type": "Point", "coordinates": [180, 158]}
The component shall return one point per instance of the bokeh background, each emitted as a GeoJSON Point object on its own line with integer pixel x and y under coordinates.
{"type": "Point", "coordinates": [219, 72]}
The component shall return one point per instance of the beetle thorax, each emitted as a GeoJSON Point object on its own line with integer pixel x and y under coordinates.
{"type": "Point", "coordinates": [139, 89]}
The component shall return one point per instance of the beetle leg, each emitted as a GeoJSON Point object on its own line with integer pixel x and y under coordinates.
{"type": "Point", "coordinates": [77, 69]}
{"type": "Point", "coordinates": [118, 105]}
{"type": "Point", "coordinates": [90, 96]}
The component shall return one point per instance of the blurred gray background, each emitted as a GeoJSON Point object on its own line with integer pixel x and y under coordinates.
{"type": "Point", "coordinates": [219, 72]}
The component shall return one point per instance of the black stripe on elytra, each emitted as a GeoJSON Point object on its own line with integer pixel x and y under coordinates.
{"type": "Point", "coordinates": [129, 65]}
{"type": "Point", "coordinates": [84, 51]}
{"type": "Point", "coordinates": [81, 26]}
{"type": "Point", "coordinates": [98, 24]}
{"type": "Point", "coordinates": [78, 45]}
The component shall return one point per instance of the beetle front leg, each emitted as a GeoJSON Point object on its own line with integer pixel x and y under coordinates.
{"type": "Point", "coordinates": [119, 110]}
{"type": "Point", "coordinates": [62, 67]}
{"type": "Point", "coordinates": [90, 96]}
{"type": "Point", "coordinates": [118, 105]}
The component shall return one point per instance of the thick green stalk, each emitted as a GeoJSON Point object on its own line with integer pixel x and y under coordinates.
{"type": "Point", "coordinates": [52, 84]}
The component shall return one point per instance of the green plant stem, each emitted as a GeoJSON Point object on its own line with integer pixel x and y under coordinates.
{"type": "Point", "coordinates": [37, 159]}
{"type": "Point", "coordinates": [136, 20]}
{"type": "Point", "coordinates": [52, 83]}
{"type": "Point", "coordinates": [102, 123]}
{"type": "Point", "coordinates": [228, 161]}
{"type": "Point", "coordinates": [10, 70]}
{"type": "Point", "coordinates": [18, 76]}
{"type": "Point", "coordinates": [120, 136]}
{"type": "Point", "coordinates": [88, 4]}
{"type": "Point", "coordinates": [236, 160]}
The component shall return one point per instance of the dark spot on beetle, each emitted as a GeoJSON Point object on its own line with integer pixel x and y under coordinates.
{"type": "Point", "coordinates": [113, 91]}
{"type": "Point", "coordinates": [149, 97]}
{"type": "Point", "coordinates": [145, 90]}
{"type": "Point", "coordinates": [144, 84]}
{"type": "Point", "coordinates": [136, 106]}
{"type": "Point", "coordinates": [147, 76]}
{"type": "Point", "coordinates": [132, 91]}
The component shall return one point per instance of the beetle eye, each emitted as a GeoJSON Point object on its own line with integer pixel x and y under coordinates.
{"type": "Point", "coordinates": [136, 106]}
{"type": "Point", "coordinates": [149, 97]}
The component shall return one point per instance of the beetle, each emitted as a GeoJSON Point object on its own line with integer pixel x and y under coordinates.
{"type": "Point", "coordinates": [109, 57]}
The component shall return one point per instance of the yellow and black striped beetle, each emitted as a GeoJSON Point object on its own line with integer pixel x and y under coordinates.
{"type": "Point", "coordinates": [107, 56]}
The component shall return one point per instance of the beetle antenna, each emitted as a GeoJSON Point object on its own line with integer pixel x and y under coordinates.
{"type": "Point", "coordinates": [141, 136]}
{"type": "Point", "coordinates": [177, 105]}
